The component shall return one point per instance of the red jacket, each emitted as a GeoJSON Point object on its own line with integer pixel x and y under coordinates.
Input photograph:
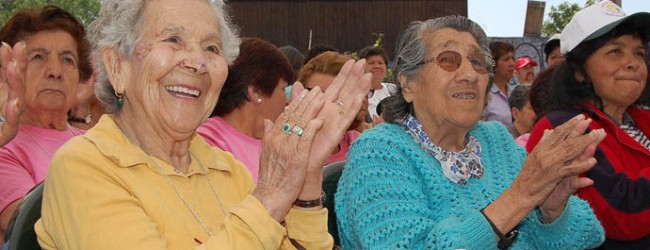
{"type": "Point", "coordinates": [620, 196]}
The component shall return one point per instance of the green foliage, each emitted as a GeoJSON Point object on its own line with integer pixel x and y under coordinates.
{"type": "Point", "coordinates": [389, 72]}
{"type": "Point", "coordinates": [85, 10]}
{"type": "Point", "coordinates": [560, 16]}
{"type": "Point", "coordinates": [378, 36]}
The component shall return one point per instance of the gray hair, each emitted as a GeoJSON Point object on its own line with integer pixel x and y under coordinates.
{"type": "Point", "coordinates": [411, 50]}
{"type": "Point", "coordinates": [117, 26]}
{"type": "Point", "coordinates": [519, 96]}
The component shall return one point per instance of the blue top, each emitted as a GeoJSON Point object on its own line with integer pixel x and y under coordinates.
{"type": "Point", "coordinates": [393, 195]}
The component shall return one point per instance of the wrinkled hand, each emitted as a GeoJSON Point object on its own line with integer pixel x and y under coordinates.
{"type": "Point", "coordinates": [343, 99]}
{"type": "Point", "coordinates": [284, 159]}
{"type": "Point", "coordinates": [555, 203]}
{"type": "Point", "coordinates": [13, 65]}
{"type": "Point", "coordinates": [562, 154]}
{"type": "Point", "coordinates": [346, 93]}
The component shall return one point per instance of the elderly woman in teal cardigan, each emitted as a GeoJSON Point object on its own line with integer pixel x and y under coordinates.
{"type": "Point", "coordinates": [433, 177]}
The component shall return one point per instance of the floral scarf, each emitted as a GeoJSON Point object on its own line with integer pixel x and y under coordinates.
{"type": "Point", "coordinates": [458, 167]}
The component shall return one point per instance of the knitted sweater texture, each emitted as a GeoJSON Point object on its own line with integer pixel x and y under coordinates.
{"type": "Point", "coordinates": [393, 195]}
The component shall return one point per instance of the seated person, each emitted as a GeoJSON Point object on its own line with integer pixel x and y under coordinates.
{"type": "Point", "coordinates": [523, 115]}
{"type": "Point", "coordinates": [253, 92]}
{"type": "Point", "coordinates": [320, 71]}
{"type": "Point", "coordinates": [433, 177]}
{"type": "Point", "coordinates": [377, 64]}
{"type": "Point", "coordinates": [57, 61]}
{"type": "Point", "coordinates": [605, 79]}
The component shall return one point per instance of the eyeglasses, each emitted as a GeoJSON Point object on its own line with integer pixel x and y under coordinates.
{"type": "Point", "coordinates": [450, 61]}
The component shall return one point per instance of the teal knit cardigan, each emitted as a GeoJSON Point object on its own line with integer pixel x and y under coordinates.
{"type": "Point", "coordinates": [393, 195]}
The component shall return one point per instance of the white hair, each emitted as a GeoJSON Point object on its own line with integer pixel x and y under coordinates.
{"type": "Point", "coordinates": [117, 27]}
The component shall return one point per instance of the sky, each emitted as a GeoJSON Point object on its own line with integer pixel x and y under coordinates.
{"type": "Point", "coordinates": [506, 18]}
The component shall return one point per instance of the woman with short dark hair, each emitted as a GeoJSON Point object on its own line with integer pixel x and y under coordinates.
{"type": "Point", "coordinates": [253, 92]}
{"type": "Point", "coordinates": [605, 78]}
{"type": "Point", "coordinates": [57, 61]}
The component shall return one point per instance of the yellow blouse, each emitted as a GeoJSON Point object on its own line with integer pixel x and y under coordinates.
{"type": "Point", "coordinates": [102, 192]}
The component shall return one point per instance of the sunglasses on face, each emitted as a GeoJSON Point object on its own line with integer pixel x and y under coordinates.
{"type": "Point", "coordinates": [450, 61]}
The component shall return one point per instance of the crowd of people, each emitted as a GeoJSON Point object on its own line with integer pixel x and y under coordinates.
{"type": "Point", "coordinates": [148, 131]}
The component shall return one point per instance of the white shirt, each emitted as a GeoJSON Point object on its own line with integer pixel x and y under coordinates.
{"type": "Point", "coordinates": [388, 90]}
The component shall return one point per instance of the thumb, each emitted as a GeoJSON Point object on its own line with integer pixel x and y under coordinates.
{"type": "Point", "coordinates": [296, 88]}
{"type": "Point", "coordinates": [268, 124]}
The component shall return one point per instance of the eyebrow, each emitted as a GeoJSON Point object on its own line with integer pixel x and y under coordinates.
{"type": "Point", "coordinates": [474, 48]}
{"type": "Point", "coordinates": [68, 52]}
{"type": "Point", "coordinates": [43, 50]}
{"type": "Point", "coordinates": [180, 29]}
{"type": "Point", "coordinates": [171, 29]}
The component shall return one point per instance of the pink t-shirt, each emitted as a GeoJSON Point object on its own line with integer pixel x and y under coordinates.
{"type": "Point", "coordinates": [219, 133]}
{"type": "Point", "coordinates": [24, 161]}
{"type": "Point", "coordinates": [523, 139]}
{"type": "Point", "coordinates": [342, 155]}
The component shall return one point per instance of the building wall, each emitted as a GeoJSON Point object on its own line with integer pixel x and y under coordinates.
{"type": "Point", "coordinates": [344, 24]}
{"type": "Point", "coordinates": [527, 46]}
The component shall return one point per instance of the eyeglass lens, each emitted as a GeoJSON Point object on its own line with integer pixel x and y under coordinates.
{"type": "Point", "coordinates": [451, 61]}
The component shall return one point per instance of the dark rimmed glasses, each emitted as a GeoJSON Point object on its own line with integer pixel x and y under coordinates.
{"type": "Point", "coordinates": [450, 61]}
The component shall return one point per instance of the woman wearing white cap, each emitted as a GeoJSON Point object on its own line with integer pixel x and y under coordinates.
{"type": "Point", "coordinates": [605, 77]}
{"type": "Point", "coordinates": [552, 51]}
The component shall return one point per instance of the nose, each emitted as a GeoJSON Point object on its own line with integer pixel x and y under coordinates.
{"type": "Point", "coordinates": [466, 73]}
{"type": "Point", "coordinates": [195, 62]}
{"type": "Point", "coordinates": [633, 62]}
{"type": "Point", "coordinates": [54, 70]}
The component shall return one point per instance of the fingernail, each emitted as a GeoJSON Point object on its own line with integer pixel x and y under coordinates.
{"type": "Point", "coordinates": [591, 161]}
{"type": "Point", "coordinates": [16, 104]}
{"type": "Point", "coordinates": [580, 117]}
{"type": "Point", "coordinates": [595, 134]}
{"type": "Point", "coordinates": [6, 45]}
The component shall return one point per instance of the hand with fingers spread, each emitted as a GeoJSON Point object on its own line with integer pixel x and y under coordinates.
{"type": "Point", "coordinates": [285, 153]}
{"type": "Point", "coordinates": [12, 89]}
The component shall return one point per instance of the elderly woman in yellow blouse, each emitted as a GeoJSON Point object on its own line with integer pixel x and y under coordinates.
{"type": "Point", "coordinates": [142, 178]}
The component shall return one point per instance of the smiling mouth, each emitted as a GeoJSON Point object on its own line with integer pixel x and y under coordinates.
{"type": "Point", "coordinates": [183, 91]}
{"type": "Point", "coordinates": [466, 96]}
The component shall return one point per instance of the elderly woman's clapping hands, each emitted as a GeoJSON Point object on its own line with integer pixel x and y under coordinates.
{"type": "Point", "coordinates": [550, 174]}
{"type": "Point", "coordinates": [299, 142]}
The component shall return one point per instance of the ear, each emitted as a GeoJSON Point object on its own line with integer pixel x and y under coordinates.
{"type": "Point", "coordinates": [515, 113]}
{"type": "Point", "coordinates": [407, 92]}
{"type": "Point", "coordinates": [579, 77]}
{"type": "Point", "coordinates": [252, 93]}
{"type": "Point", "coordinates": [117, 69]}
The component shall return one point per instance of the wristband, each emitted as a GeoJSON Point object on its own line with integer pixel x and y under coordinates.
{"type": "Point", "coordinates": [505, 241]}
{"type": "Point", "coordinates": [86, 119]}
{"type": "Point", "coordinates": [311, 203]}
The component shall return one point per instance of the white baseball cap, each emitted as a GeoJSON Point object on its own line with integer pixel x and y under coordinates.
{"type": "Point", "coordinates": [595, 21]}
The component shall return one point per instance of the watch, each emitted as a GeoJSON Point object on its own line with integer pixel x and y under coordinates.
{"type": "Point", "coordinates": [311, 203]}
{"type": "Point", "coordinates": [86, 119]}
